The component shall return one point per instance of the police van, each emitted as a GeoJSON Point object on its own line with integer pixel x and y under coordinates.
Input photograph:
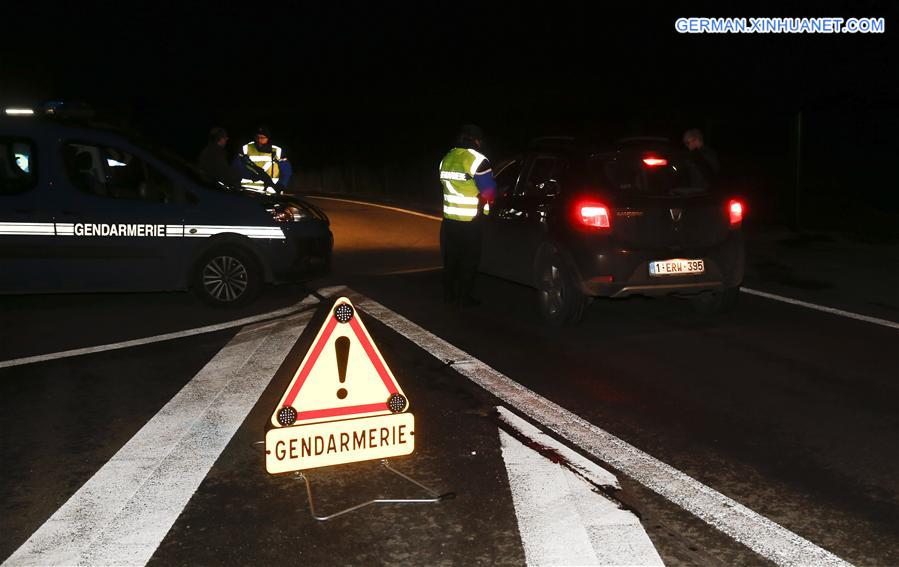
{"type": "Point", "coordinates": [87, 208]}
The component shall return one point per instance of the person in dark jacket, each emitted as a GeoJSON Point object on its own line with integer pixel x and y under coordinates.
{"type": "Point", "coordinates": [703, 157]}
{"type": "Point", "coordinates": [214, 162]}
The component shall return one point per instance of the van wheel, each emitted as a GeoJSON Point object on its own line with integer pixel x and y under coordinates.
{"type": "Point", "coordinates": [715, 303]}
{"type": "Point", "coordinates": [560, 301]}
{"type": "Point", "coordinates": [227, 277]}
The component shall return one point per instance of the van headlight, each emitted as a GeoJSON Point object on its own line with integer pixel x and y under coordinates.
{"type": "Point", "coordinates": [287, 213]}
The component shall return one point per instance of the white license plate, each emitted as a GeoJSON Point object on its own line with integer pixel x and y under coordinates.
{"type": "Point", "coordinates": [676, 267]}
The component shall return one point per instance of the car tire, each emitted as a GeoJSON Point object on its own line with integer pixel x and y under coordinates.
{"type": "Point", "coordinates": [559, 300]}
{"type": "Point", "coordinates": [227, 277]}
{"type": "Point", "coordinates": [710, 304]}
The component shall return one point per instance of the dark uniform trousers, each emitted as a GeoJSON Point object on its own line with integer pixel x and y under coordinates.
{"type": "Point", "coordinates": [460, 244]}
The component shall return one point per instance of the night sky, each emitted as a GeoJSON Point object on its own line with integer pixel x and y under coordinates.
{"type": "Point", "coordinates": [374, 81]}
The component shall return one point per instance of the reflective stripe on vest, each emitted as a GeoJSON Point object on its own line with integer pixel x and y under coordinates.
{"type": "Point", "coordinates": [264, 161]}
{"type": "Point", "coordinates": [460, 192]}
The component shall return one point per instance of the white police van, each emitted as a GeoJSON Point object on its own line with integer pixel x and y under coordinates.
{"type": "Point", "coordinates": [85, 207]}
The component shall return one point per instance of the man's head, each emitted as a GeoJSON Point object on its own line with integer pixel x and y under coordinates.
{"type": "Point", "coordinates": [470, 136]}
{"type": "Point", "coordinates": [262, 136]}
{"type": "Point", "coordinates": [218, 136]}
{"type": "Point", "coordinates": [693, 139]}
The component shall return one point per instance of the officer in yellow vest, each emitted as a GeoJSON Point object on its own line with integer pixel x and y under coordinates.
{"type": "Point", "coordinates": [468, 190]}
{"type": "Point", "coordinates": [268, 157]}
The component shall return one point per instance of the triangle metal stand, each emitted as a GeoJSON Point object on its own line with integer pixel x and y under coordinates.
{"type": "Point", "coordinates": [435, 497]}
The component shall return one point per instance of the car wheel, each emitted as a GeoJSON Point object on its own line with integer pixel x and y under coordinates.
{"type": "Point", "coordinates": [227, 277]}
{"type": "Point", "coordinates": [715, 303]}
{"type": "Point", "coordinates": [560, 301]}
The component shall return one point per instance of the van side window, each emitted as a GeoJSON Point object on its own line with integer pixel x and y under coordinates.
{"type": "Point", "coordinates": [115, 173]}
{"type": "Point", "coordinates": [18, 168]}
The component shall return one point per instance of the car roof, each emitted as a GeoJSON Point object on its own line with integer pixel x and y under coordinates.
{"type": "Point", "coordinates": [585, 147]}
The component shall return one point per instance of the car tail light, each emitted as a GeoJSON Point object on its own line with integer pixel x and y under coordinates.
{"type": "Point", "coordinates": [652, 161]}
{"type": "Point", "coordinates": [594, 214]}
{"type": "Point", "coordinates": [735, 212]}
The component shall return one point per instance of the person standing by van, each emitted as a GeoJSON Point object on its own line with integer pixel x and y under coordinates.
{"type": "Point", "coordinates": [270, 159]}
{"type": "Point", "coordinates": [213, 159]}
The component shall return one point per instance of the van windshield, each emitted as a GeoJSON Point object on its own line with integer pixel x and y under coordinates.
{"type": "Point", "coordinates": [182, 166]}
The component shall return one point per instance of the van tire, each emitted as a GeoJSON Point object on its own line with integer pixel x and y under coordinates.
{"type": "Point", "coordinates": [227, 277]}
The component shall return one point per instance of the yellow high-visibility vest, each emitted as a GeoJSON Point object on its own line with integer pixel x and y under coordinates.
{"type": "Point", "coordinates": [460, 192]}
{"type": "Point", "coordinates": [268, 161]}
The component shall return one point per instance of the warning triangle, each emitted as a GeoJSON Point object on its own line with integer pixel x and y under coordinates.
{"type": "Point", "coordinates": [343, 376]}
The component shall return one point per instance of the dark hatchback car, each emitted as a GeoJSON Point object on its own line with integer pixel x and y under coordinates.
{"type": "Point", "coordinates": [85, 208]}
{"type": "Point", "coordinates": [640, 218]}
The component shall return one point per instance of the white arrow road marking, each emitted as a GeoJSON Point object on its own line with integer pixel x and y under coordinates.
{"type": "Point", "coordinates": [121, 514]}
{"type": "Point", "coordinates": [561, 518]}
{"type": "Point", "coordinates": [767, 538]}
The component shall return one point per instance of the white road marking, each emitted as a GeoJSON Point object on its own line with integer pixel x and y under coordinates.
{"type": "Point", "coordinates": [306, 302]}
{"type": "Point", "coordinates": [579, 464]}
{"type": "Point", "coordinates": [123, 512]}
{"type": "Point", "coordinates": [561, 519]}
{"type": "Point", "coordinates": [823, 308]}
{"type": "Point", "coordinates": [413, 271]}
{"type": "Point", "coordinates": [389, 208]}
{"type": "Point", "coordinates": [768, 539]}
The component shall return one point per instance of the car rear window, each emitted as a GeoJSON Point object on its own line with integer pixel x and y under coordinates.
{"type": "Point", "coordinates": [663, 175]}
{"type": "Point", "coordinates": [18, 171]}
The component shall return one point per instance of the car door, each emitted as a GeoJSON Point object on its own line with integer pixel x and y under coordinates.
{"type": "Point", "coordinates": [26, 223]}
{"type": "Point", "coordinates": [498, 224]}
{"type": "Point", "coordinates": [527, 214]}
{"type": "Point", "coordinates": [122, 218]}
{"type": "Point", "coordinates": [543, 189]}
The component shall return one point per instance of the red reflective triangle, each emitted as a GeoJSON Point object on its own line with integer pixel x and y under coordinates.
{"type": "Point", "coordinates": [368, 385]}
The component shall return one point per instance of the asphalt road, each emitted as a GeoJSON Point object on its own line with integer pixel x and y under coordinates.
{"type": "Point", "coordinates": [791, 412]}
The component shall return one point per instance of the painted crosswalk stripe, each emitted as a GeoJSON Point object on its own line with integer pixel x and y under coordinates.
{"type": "Point", "coordinates": [121, 514]}
{"type": "Point", "coordinates": [766, 538]}
{"type": "Point", "coordinates": [561, 519]}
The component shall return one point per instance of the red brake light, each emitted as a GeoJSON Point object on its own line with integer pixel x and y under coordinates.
{"type": "Point", "coordinates": [654, 161]}
{"type": "Point", "coordinates": [594, 214]}
{"type": "Point", "coordinates": [735, 212]}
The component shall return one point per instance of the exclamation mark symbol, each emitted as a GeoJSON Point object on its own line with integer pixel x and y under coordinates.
{"type": "Point", "coordinates": [342, 350]}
